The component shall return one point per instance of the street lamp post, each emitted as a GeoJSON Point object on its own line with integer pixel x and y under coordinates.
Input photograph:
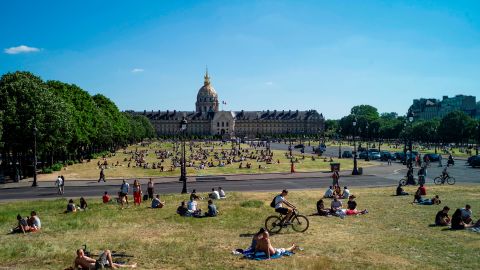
{"type": "Point", "coordinates": [355, 169]}
{"type": "Point", "coordinates": [34, 184]}
{"type": "Point", "coordinates": [367, 158]}
{"type": "Point", "coordinates": [478, 139]}
{"type": "Point", "coordinates": [339, 144]}
{"type": "Point", "coordinates": [183, 169]}
{"type": "Point", "coordinates": [410, 120]}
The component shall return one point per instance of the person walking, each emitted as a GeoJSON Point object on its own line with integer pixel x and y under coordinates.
{"type": "Point", "coordinates": [335, 177]}
{"type": "Point", "coordinates": [102, 176]}
{"type": "Point", "coordinates": [137, 193]}
{"type": "Point", "coordinates": [150, 190]}
{"type": "Point", "coordinates": [124, 188]}
{"type": "Point", "coordinates": [58, 183]}
{"type": "Point", "coordinates": [63, 184]}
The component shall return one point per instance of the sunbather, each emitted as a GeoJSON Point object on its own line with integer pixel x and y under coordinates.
{"type": "Point", "coordinates": [104, 260]}
{"type": "Point", "coordinates": [264, 244]}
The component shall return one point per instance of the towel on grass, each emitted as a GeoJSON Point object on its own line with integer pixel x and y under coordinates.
{"type": "Point", "coordinates": [260, 255]}
{"type": "Point", "coordinates": [475, 229]}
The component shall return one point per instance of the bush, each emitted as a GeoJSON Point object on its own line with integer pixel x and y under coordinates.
{"type": "Point", "coordinates": [251, 204]}
{"type": "Point", "coordinates": [69, 162]}
{"type": "Point", "coordinates": [47, 170]}
{"type": "Point", "coordinates": [57, 167]}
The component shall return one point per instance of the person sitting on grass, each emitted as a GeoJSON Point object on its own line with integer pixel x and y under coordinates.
{"type": "Point", "coordinates": [467, 214]}
{"type": "Point", "coordinates": [321, 210]}
{"type": "Point", "coordinates": [83, 204]}
{"type": "Point", "coordinates": [22, 226]}
{"type": "Point", "coordinates": [337, 191]}
{"type": "Point", "coordinates": [222, 193]}
{"type": "Point", "coordinates": [192, 208]}
{"type": "Point", "coordinates": [458, 224]}
{"type": "Point", "coordinates": [156, 203]}
{"type": "Point", "coordinates": [329, 192]}
{"type": "Point", "coordinates": [34, 222]}
{"type": "Point", "coordinates": [214, 195]}
{"type": "Point", "coordinates": [400, 191]}
{"type": "Point", "coordinates": [336, 206]}
{"type": "Point", "coordinates": [71, 207]}
{"type": "Point", "coordinates": [417, 197]}
{"type": "Point", "coordinates": [352, 207]}
{"type": "Point", "coordinates": [442, 218]}
{"type": "Point", "coordinates": [106, 198]}
{"type": "Point", "coordinates": [253, 245]}
{"type": "Point", "coordinates": [104, 260]}
{"type": "Point", "coordinates": [346, 193]}
{"type": "Point", "coordinates": [194, 195]}
{"type": "Point", "coordinates": [264, 245]}
{"type": "Point", "coordinates": [212, 209]}
{"type": "Point", "coordinates": [423, 190]}
{"type": "Point", "coordinates": [182, 210]}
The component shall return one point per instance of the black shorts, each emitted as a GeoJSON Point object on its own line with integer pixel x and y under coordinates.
{"type": "Point", "coordinates": [123, 194]}
{"type": "Point", "coordinates": [282, 210]}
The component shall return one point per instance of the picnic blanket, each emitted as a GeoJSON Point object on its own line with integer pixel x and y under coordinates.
{"type": "Point", "coordinates": [260, 255]}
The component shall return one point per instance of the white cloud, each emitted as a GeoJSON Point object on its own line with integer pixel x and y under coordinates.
{"type": "Point", "coordinates": [269, 83]}
{"type": "Point", "coordinates": [137, 70]}
{"type": "Point", "coordinates": [20, 49]}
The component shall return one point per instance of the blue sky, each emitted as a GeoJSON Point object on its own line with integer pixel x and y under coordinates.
{"type": "Point", "coordinates": [323, 55]}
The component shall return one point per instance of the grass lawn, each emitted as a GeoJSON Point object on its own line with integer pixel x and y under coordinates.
{"type": "Point", "coordinates": [90, 170]}
{"type": "Point", "coordinates": [395, 234]}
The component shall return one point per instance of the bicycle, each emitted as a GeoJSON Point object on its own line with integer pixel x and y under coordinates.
{"type": "Point", "coordinates": [299, 223]}
{"type": "Point", "coordinates": [404, 181]}
{"type": "Point", "coordinates": [440, 180]}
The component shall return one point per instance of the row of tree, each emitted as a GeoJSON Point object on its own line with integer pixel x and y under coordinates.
{"type": "Point", "coordinates": [66, 121]}
{"type": "Point", "coordinates": [454, 127]}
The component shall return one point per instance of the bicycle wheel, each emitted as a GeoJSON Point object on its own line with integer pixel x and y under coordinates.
{"type": "Point", "coordinates": [437, 180]}
{"type": "Point", "coordinates": [272, 224]}
{"type": "Point", "coordinates": [451, 180]}
{"type": "Point", "coordinates": [403, 182]}
{"type": "Point", "coordinates": [300, 223]}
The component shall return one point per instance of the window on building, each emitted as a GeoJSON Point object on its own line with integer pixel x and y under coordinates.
{"type": "Point", "coordinates": [218, 124]}
{"type": "Point", "coordinates": [223, 124]}
{"type": "Point", "coordinates": [227, 124]}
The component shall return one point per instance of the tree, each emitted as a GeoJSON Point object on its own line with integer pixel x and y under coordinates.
{"type": "Point", "coordinates": [456, 127]}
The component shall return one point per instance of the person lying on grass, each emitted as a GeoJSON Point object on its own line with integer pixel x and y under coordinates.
{"type": "Point", "coordinates": [442, 218]}
{"type": "Point", "coordinates": [104, 260]}
{"type": "Point", "coordinates": [432, 201]}
{"type": "Point", "coordinates": [253, 245]}
{"type": "Point", "coordinates": [264, 245]}
{"type": "Point", "coordinates": [156, 203]}
{"type": "Point", "coordinates": [212, 209]}
{"type": "Point", "coordinates": [458, 224]}
{"type": "Point", "coordinates": [352, 207]}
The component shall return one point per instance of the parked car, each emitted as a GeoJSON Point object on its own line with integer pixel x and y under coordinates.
{"type": "Point", "coordinates": [299, 146]}
{"type": "Point", "coordinates": [474, 161]}
{"type": "Point", "coordinates": [384, 155]}
{"type": "Point", "coordinates": [374, 155]}
{"type": "Point", "coordinates": [347, 154]}
{"type": "Point", "coordinates": [362, 155]}
{"type": "Point", "coordinates": [431, 157]}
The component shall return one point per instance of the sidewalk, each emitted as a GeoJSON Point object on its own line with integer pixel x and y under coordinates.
{"type": "Point", "coordinates": [380, 169]}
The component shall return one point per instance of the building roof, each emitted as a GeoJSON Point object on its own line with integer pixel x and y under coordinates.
{"type": "Point", "coordinates": [207, 89]}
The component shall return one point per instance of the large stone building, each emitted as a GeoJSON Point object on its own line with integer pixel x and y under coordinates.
{"type": "Point", "coordinates": [207, 119]}
{"type": "Point", "coordinates": [430, 108]}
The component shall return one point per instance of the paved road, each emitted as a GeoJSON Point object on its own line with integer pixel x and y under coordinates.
{"type": "Point", "coordinates": [375, 176]}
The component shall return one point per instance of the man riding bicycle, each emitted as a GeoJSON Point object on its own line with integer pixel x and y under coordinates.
{"type": "Point", "coordinates": [445, 174]}
{"type": "Point", "coordinates": [279, 200]}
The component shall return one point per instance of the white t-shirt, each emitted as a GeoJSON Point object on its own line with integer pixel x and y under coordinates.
{"type": "Point", "coordinates": [222, 193]}
{"type": "Point", "coordinates": [346, 193]}
{"type": "Point", "coordinates": [59, 181]}
{"type": "Point", "coordinates": [192, 205]}
{"type": "Point", "coordinates": [278, 201]}
{"type": "Point", "coordinates": [216, 195]}
{"type": "Point", "coordinates": [329, 193]}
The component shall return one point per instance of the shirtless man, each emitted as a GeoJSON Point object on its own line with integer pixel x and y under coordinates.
{"type": "Point", "coordinates": [105, 259]}
{"type": "Point", "coordinates": [264, 244]}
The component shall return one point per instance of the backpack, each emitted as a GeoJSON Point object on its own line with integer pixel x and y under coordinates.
{"type": "Point", "coordinates": [272, 204]}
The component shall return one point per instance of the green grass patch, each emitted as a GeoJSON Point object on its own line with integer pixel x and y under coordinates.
{"type": "Point", "coordinates": [395, 234]}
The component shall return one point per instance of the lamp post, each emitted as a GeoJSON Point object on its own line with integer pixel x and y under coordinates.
{"type": "Point", "coordinates": [183, 169]}
{"type": "Point", "coordinates": [410, 120]}
{"type": "Point", "coordinates": [339, 144]}
{"type": "Point", "coordinates": [34, 184]}
{"type": "Point", "coordinates": [367, 158]}
{"type": "Point", "coordinates": [355, 169]}
{"type": "Point", "coordinates": [478, 138]}
{"type": "Point", "coordinates": [405, 144]}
